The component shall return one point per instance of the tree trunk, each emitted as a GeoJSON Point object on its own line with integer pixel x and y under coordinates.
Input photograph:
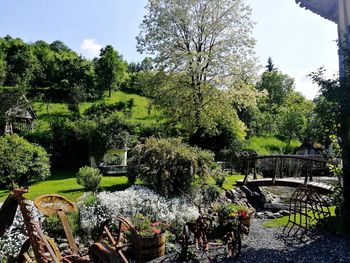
{"type": "Point", "coordinates": [345, 145]}
{"type": "Point", "coordinates": [345, 207]}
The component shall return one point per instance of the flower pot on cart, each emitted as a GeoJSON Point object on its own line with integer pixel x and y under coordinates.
{"type": "Point", "coordinates": [246, 222]}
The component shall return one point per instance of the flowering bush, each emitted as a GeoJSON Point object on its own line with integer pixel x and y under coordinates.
{"type": "Point", "coordinates": [14, 237]}
{"type": "Point", "coordinates": [146, 228]}
{"type": "Point", "coordinates": [132, 201]}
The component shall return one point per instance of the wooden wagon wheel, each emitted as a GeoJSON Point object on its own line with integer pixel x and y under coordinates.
{"type": "Point", "coordinates": [234, 243]}
{"type": "Point", "coordinates": [120, 235]}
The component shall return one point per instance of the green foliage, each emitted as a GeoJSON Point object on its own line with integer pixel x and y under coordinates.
{"type": "Point", "coordinates": [90, 199]}
{"type": "Point", "coordinates": [227, 134]}
{"type": "Point", "coordinates": [168, 165]}
{"type": "Point", "coordinates": [21, 162]}
{"type": "Point", "coordinates": [103, 133]}
{"type": "Point", "coordinates": [103, 109]}
{"type": "Point", "coordinates": [20, 61]}
{"type": "Point", "coordinates": [89, 177]}
{"type": "Point", "coordinates": [210, 193]}
{"type": "Point", "coordinates": [144, 226]}
{"type": "Point", "coordinates": [325, 120]}
{"type": "Point", "coordinates": [111, 70]}
{"type": "Point", "coordinates": [277, 85]}
{"type": "Point", "coordinates": [219, 177]}
{"type": "Point", "coordinates": [2, 68]}
{"type": "Point", "coordinates": [282, 111]}
{"type": "Point", "coordinates": [53, 225]}
{"type": "Point", "coordinates": [295, 117]}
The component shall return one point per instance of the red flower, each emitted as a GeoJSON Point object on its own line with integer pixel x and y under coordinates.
{"type": "Point", "coordinates": [156, 231]}
{"type": "Point", "coordinates": [243, 213]}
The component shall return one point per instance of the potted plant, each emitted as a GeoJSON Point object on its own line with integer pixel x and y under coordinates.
{"type": "Point", "coordinates": [151, 236]}
{"type": "Point", "coordinates": [235, 214]}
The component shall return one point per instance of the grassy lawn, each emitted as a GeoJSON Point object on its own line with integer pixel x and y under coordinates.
{"type": "Point", "coordinates": [282, 221]}
{"type": "Point", "coordinates": [230, 181]}
{"type": "Point", "coordinates": [64, 183]}
{"type": "Point", "coordinates": [270, 144]}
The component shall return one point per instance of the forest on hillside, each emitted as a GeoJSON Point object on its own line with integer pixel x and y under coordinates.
{"type": "Point", "coordinates": [254, 106]}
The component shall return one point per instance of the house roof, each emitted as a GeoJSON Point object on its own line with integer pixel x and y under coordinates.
{"type": "Point", "coordinates": [21, 110]}
{"type": "Point", "coordinates": [328, 9]}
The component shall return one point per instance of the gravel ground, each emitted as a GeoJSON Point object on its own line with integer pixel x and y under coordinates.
{"type": "Point", "coordinates": [271, 245]}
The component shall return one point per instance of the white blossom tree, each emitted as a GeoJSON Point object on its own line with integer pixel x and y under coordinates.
{"type": "Point", "coordinates": [208, 44]}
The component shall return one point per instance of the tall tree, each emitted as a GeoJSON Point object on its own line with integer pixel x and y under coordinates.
{"type": "Point", "coordinates": [336, 92]}
{"type": "Point", "coordinates": [277, 85]}
{"type": "Point", "coordinates": [59, 46]}
{"type": "Point", "coordinates": [20, 61]}
{"type": "Point", "coordinates": [111, 70]}
{"type": "Point", "coordinates": [270, 66]}
{"type": "Point", "coordinates": [2, 68]}
{"type": "Point", "coordinates": [294, 117]}
{"type": "Point", "coordinates": [208, 44]}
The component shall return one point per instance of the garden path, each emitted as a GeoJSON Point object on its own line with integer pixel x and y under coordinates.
{"type": "Point", "coordinates": [270, 245]}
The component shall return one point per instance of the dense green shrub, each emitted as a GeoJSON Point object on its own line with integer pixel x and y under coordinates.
{"type": "Point", "coordinates": [54, 226]}
{"type": "Point", "coordinates": [219, 177]}
{"type": "Point", "coordinates": [168, 165]}
{"type": "Point", "coordinates": [21, 162]}
{"type": "Point", "coordinates": [89, 177]}
{"type": "Point", "coordinates": [103, 109]}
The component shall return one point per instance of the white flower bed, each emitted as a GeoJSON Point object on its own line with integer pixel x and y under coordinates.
{"type": "Point", "coordinates": [127, 203]}
{"type": "Point", "coordinates": [134, 200]}
{"type": "Point", "coordinates": [14, 237]}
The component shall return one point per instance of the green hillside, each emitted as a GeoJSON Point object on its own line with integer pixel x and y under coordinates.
{"type": "Point", "coordinates": [140, 112]}
{"type": "Point", "coordinates": [271, 145]}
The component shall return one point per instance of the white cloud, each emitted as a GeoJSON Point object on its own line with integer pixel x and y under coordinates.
{"type": "Point", "coordinates": [303, 83]}
{"type": "Point", "coordinates": [90, 48]}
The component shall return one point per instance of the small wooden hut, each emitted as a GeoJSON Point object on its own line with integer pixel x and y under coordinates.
{"type": "Point", "coordinates": [19, 117]}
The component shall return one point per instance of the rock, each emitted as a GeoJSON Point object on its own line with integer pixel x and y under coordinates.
{"type": "Point", "coordinates": [81, 246]}
{"type": "Point", "coordinates": [269, 215]}
{"type": "Point", "coordinates": [84, 251]}
{"type": "Point", "coordinates": [259, 215]}
{"type": "Point", "coordinates": [284, 212]}
{"type": "Point", "coordinates": [63, 246]}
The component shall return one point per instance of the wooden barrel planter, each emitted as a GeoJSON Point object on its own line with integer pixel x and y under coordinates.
{"type": "Point", "coordinates": [152, 247]}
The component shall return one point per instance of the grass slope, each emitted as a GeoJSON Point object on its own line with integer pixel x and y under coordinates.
{"type": "Point", "coordinates": [270, 145]}
{"type": "Point", "coordinates": [140, 112]}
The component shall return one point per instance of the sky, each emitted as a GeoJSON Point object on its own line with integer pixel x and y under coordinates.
{"type": "Point", "coordinates": [298, 41]}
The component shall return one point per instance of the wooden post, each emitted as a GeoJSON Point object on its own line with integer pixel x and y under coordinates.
{"type": "Point", "coordinates": [254, 169]}
{"type": "Point", "coordinates": [281, 168]}
{"type": "Point", "coordinates": [245, 162]}
{"type": "Point", "coordinates": [275, 173]}
{"type": "Point", "coordinates": [307, 172]}
{"type": "Point", "coordinates": [311, 171]}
